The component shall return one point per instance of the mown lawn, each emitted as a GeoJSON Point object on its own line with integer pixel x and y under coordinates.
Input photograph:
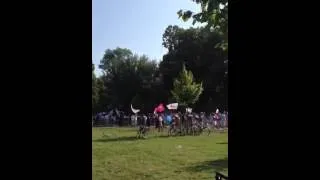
{"type": "Point", "coordinates": [117, 154]}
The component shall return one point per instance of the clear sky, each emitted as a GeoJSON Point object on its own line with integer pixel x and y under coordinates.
{"type": "Point", "coordinates": [135, 24]}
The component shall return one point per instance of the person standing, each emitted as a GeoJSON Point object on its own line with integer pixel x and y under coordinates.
{"type": "Point", "coordinates": [120, 119]}
{"type": "Point", "coordinates": [222, 117]}
{"type": "Point", "coordinates": [217, 119]}
{"type": "Point", "coordinates": [132, 120]}
{"type": "Point", "coordinates": [148, 121]}
{"type": "Point", "coordinates": [145, 118]}
{"type": "Point", "coordinates": [226, 123]}
{"type": "Point", "coordinates": [160, 119]}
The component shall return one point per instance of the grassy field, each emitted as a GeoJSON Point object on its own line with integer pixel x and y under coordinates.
{"type": "Point", "coordinates": [117, 154]}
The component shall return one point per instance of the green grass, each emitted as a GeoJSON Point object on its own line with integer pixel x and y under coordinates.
{"type": "Point", "coordinates": [117, 154]}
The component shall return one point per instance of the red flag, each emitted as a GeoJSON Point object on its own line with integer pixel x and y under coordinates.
{"type": "Point", "coordinates": [160, 108]}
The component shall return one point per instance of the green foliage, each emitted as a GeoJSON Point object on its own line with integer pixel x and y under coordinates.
{"type": "Point", "coordinates": [185, 90]}
{"type": "Point", "coordinates": [126, 76]}
{"type": "Point", "coordinates": [113, 59]}
{"type": "Point", "coordinates": [214, 13]}
{"type": "Point", "coordinates": [137, 101]}
{"type": "Point", "coordinates": [95, 95]}
{"type": "Point", "coordinates": [196, 48]}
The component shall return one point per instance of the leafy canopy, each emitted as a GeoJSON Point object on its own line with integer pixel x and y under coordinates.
{"type": "Point", "coordinates": [185, 90]}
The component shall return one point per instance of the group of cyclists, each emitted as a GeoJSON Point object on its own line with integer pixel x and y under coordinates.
{"type": "Point", "coordinates": [174, 121]}
{"type": "Point", "coordinates": [182, 123]}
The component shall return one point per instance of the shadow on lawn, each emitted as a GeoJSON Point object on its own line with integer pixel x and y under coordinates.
{"type": "Point", "coordinates": [123, 138]}
{"type": "Point", "coordinates": [129, 138]}
{"type": "Point", "coordinates": [222, 142]}
{"type": "Point", "coordinates": [216, 165]}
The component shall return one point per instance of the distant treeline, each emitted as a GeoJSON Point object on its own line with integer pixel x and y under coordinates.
{"type": "Point", "coordinates": [135, 79]}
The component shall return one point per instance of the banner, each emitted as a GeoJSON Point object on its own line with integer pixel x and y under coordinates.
{"type": "Point", "coordinates": [172, 106]}
{"type": "Point", "coordinates": [159, 109]}
{"type": "Point", "coordinates": [135, 111]}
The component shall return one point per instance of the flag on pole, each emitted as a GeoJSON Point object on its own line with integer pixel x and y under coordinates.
{"type": "Point", "coordinates": [160, 108]}
{"type": "Point", "coordinates": [117, 112]}
{"type": "Point", "coordinates": [189, 110]}
{"type": "Point", "coordinates": [172, 106]}
{"type": "Point", "coordinates": [135, 111]}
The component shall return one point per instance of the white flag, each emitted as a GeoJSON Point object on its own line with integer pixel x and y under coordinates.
{"type": "Point", "coordinates": [135, 110]}
{"type": "Point", "coordinates": [172, 106]}
{"type": "Point", "coordinates": [189, 110]}
{"type": "Point", "coordinates": [117, 112]}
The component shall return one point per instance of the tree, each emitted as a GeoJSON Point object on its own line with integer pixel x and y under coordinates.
{"type": "Point", "coordinates": [112, 59]}
{"type": "Point", "coordinates": [185, 91]}
{"type": "Point", "coordinates": [214, 13]}
{"type": "Point", "coordinates": [196, 48]}
{"type": "Point", "coordinates": [95, 95]}
{"type": "Point", "coordinates": [170, 37]}
{"type": "Point", "coordinates": [103, 94]}
{"type": "Point", "coordinates": [127, 75]}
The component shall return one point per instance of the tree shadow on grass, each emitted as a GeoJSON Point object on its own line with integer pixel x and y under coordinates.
{"type": "Point", "coordinates": [222, 143]}
{"type": "Point", "coordinates": [130, 138]}
{"type": "Point", "coordinates": [123, 138]}
{"type": "Point", "coordinates": [206, 166]}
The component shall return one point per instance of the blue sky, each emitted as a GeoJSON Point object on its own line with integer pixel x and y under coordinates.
{"type": "Point", "coordinates": [135, 24]}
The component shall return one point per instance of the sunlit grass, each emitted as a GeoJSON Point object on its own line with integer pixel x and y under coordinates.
{"type": "Point", "coordinates": [117, 154]}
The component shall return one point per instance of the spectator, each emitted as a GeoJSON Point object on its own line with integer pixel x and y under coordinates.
{"type": "Point", "coordinates": [145, 119]}
{"type": "Point", "coordinates": [160, 119]}
{"type": "Point", "coordinates": [133, 118]}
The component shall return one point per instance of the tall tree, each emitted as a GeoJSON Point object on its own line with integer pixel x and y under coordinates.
{"type": "Point", "coordinates": [196, 48]}
{"type": "Point", "coordinates": [95, 95]}
{"type": "Point", "coordinates": [214, 13]}
{"type": "Point", "coordinates": [103, 94]}
{"type": "Point", "coordinates": [126, 76]}
{"type": "Point", "coordinates": [112, 59]}
{"type": "Point", "coordinates": [185, 91]}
